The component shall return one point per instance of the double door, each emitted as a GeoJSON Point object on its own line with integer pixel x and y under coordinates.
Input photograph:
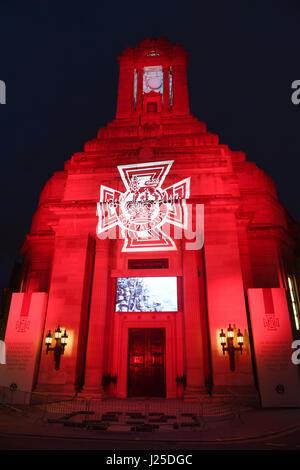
{"type": "Point", "coordinates": [147, 362]}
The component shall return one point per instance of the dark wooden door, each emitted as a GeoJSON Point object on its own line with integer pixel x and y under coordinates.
{"type": "Point", "coordinates": [147, 371]}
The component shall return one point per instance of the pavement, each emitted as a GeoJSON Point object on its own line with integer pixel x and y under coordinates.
{"type": "Point", "coordinates": [248, 427]}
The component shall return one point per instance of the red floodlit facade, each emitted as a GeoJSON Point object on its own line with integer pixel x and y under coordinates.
{"type": "Point", "coordinates": [168, 347]}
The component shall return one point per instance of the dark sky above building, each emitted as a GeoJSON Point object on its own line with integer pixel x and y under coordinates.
{"type": "Point", "coordinates": [59, 62]}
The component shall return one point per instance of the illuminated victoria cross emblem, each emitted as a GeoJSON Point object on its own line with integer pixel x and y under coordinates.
{"type": "Point", "coordinates": [145, 211]}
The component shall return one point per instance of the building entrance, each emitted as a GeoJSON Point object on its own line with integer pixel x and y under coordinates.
{"type": "Point", "coordinates": [147, 370]}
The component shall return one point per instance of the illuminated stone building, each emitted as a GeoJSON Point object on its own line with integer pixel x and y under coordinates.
{"type": "Point", "coordinates": [144, 313]}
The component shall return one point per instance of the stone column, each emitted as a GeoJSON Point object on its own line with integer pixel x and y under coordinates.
{"type": "Point", "coordinates": [66, 307]}
{"type": "Point", "coordinates": [225, 295]}
{"type": "Point", "coordinates": [192, 323]}
{"type": "Point", "coordinates": [97, 321]}
{"type": "Point", "coordinates": [166, 86]}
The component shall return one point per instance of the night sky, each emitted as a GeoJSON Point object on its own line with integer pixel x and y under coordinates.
{"type": "Point", "coordinates": [59, 62]}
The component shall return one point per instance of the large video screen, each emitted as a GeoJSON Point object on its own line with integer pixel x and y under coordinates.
{"type": "Point", "coordinates": [146, 294]}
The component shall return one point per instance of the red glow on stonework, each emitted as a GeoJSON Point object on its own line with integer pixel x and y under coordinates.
{"type": "Point", "coordinates": [125, 336]}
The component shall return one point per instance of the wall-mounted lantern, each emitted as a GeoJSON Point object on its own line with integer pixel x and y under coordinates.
{"type": "Point", "coordinates": [60, 344]}
{"type": "Point", "coordinates": [230, 348]}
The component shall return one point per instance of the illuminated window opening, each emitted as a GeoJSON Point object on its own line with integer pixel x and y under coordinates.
{"type": "Point", "coordinates": [135, 89]}
{"type": "Point", "coordinates": [171, 86]}
{"type": "Point", "coordinates": [153, 79]}
{"type": "Point", "coordinates": [295, 299]}
{"type": "Point", "coordinates": [153, 53]}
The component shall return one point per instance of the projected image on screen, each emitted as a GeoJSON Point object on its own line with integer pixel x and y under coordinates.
{"type": "Point", "coordinates": [146, 294]}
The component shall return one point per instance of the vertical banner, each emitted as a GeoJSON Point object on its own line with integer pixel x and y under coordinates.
{"type": "Point", "coordinates": [278, 377]}
{"type": "Point", "coordinates": [23, 339]}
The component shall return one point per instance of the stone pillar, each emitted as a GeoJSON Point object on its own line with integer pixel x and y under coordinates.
{"type": "Point", "coordinates": [192, 323]}
{"type": "Point", "coordinates": [125, 89]}
{"type": "Point", "coordinates": [225, 295]}
{"type": "Point", "coordinates": [166, 94]}
{"type": "Point", "coordinates": [97, 321]}
{"type": "Point", "coordinates": [139, 92]}
{"type": "Point", "coordinates": [67, 307]}
{"type": "Point", "coordinates": [180, 89]}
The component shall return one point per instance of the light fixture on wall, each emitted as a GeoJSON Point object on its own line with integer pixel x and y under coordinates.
{"type": "Point", "coordinates": [60, 344]}
{"type": "Point", "coordinates": [229, 341]}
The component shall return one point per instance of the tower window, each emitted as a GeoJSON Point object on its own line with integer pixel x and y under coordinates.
{"type": "Point", "coordinates": [153, 79]}
{"type": "Point", "coordinates": [295, 299]}
{"type": "Point", "coordinates": [152, 53]}
{"type": "Point", "coordinates": [171, 86]}
{"type": "Point", "coordinates": [134, 88]}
